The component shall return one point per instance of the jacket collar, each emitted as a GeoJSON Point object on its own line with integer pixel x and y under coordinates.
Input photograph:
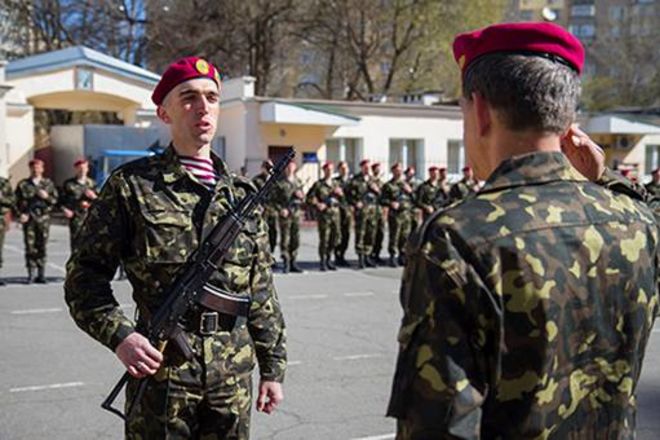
{"type": "Point", "coordinates": [173, 170]}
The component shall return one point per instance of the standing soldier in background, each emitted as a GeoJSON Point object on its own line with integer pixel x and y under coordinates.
{"type": "Point", "coordinates": [288, 198]}
{"type": "Point", "coordinates": [464, 187]}
{"type": "Point", "coordinates": [528, 306]}
{"type": "Point", "coordinates": [379, 230]}
{"type": "Point", "coordinates": [364, 202]}
{"type": "Point", "coordinates": [78, 193]}
{"type": "Point", "coordinates": [270, 212]}
{"type": "Point", "coordinates": [397, 195]}
{"type": "Point", "coordinates": [653, 187]}
{"type": "Point", "coordinates": [35, 197]}
{"type": "Point", "coordinates": [7, 204]}
{"type": "Point", "coordinates": [345, 215]}
{"type": "Point", "coordinates": [430, 196]}
{"type": "Point", "coordinates": [414, 183]}
{"type": "Point", "coordinates": [324, 196]}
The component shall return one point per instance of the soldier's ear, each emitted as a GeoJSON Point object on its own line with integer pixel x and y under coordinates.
{"type": "Point", "coordinates": [162, 115]}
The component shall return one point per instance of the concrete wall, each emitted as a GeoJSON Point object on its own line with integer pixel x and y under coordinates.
{"type": "Point", "coordinates": [20, 137]}
{"type": "Point", "coordinates": [68, 144]}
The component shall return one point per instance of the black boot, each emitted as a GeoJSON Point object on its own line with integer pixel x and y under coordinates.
{"type": "Point", "coordinates": [293, 266]}
{"type": "Point", "coordinates": [377, 260]}
{"type": "Point", "coordinates": [369, 262]}
{"type": "Point", "coordinates": [340, 261]}
{"type": "Point", "coordinates": [322, 266]}
{"type": "Point", "coordinates": [329, 263]}
{"type": "Point", "coordinates": [41, 275]}
{"type": "Point", "coordinates": [30, 277]}
{"type": "Point", "coordinates": [285, 265]}
{"type": "Point", "coordinates": [360, 261]}
{"type": "Point", "coordinates": [391, 262]}
{"type": "Point", "coordinates": [2, 282]}
{"type": "Point", "coordinates": [401, 260]}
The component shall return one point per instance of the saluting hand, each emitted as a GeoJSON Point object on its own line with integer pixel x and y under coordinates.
{"type": "Point", "coordinates": [270, 396]}
{"type": "Point", "coordinates": [139, 357]}
{"type": "Point", "coordinates": [583, 153]}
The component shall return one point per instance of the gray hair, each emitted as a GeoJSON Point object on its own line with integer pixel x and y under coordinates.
{"type": "Point", "coordinates": [528, 92]}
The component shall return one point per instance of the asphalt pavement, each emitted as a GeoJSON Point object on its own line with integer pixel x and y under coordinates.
{"type": "Point", "coordinates": [341, 340]}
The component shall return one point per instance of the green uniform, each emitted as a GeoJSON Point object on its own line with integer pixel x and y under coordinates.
{"type": "Point", "coordinates": [360, 191]}
{"type": "Point", "coordinates": [431, 195]}
{"type": "Point", "coordinates": [286, 196]}
{"type": "Point", "coordinates": [269, 211]}
{"type": "Point", "coordinates": [7, 202]}
{"type": "Point", "coordinates": [653, 188]}
{"type": "Point", "coordinates": [74, 198]}
{"type": "Point", "coordinates": [414, 183]}
{"type": "Point", "coordinates": [462, 189]}
{"type": "Point", "coordinates": [527, 309]}
{"type": "Point", "coordinates": [345, 218]}
{"type": "Point", "coordinates": [399, 220]}
{"type": "Point", "coordinates": [151, 215]}
{"type": "Point", "coordinates": [326, 192]}
{"type": "Point", "coordinates": [379, 226]}
{"type": "Point", "coordinates": [35, 230]}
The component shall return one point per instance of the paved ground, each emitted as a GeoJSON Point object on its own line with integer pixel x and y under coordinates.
{"type": "Point", "coordinates": [342, 329]}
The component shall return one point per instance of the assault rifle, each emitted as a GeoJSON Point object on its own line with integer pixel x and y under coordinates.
{"type": "Point", "coordinates": [191, 288]}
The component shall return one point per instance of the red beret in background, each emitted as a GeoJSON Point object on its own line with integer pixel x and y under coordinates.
{"type": "Point", "coordinates": [35, 162]}
{"type": "Point", "coordinates": [539, 39]}
{"type": "Point", "coordinates": [80, 162]}
{"type": "Point", "coordinates": [328, 165]}
{"type": "Point", "coordinates": [364, 162]}
{"type": "Point", "coordinates": [434, 168]}
{"type": "Point", "coordinates": [184, 70]}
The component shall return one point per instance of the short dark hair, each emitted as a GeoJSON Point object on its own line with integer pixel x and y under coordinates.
{"type": "Point", "coordinates": [529, 92]}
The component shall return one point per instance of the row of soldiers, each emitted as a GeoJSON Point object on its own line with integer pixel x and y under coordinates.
{"type": "Point", "coordinates": [365, 200]}
{"type": "Point", "coordinates": [32, 203]}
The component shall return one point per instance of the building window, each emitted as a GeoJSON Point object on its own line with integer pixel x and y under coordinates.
{"type": "Point", "coordinates": [583, 11]}
{"type": "Point", "coordinates": [617, 13]}
{"type": "Point", "coordinates": [455, 158]}
{"type": "Point", "coordinates": [652, 158]}
{"type": "Point", "coordinates": [346, 149]}
{"type": "Point", "coordinates": [407, 152]}
{"type": "Point", "coordinates": [584, 30]}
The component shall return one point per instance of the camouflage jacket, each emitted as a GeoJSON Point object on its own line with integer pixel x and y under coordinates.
{"type": "Point", "coordinates": [360, 190]}
{"type": "Point", "coordinates": [284, 194]}
{"type": "Point", "coordinates": [527, 309]}
{"type": "Point", "coordinates": [397, 191]}
{"type": "Point", "coordinates": [653, 188]}
{"type": "Point", "coordinates": [74, 197]}
{"type": "Point", "coordinates": [324, 192]}
{"type": "Point", "coordinates": [150, 216]}
{"type": "Point", "coordinates": [7, 198]}
{"type": "Point", "coordinates": [28, 202]}
{"type": "Point", "coordinates": [430, 195]}
{"type": "Point", "coordinates": [259, 180]}
{"type": "Point", "coordinates": [344, 184]}
{"type": "Point", "coordinates": [462, 189]}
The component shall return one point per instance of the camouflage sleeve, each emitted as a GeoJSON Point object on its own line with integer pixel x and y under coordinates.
{"type": "Point", "coordinates": [92, 266]}
{"type": "Point", "coordinates": [8, 199]}
{"type": "Point", "coordinates": [386, 195]}
{"type": "Point", "coordinates": [420, 197]}
{"type": "Point", "coordinates": [265, 322]}
{"type": "Point", "coordinates": [445, 345]}
{"type": "Point", "coordinates": [21, 204]}
{"type": "Point", "coordinates": [52, 194]}
{"type": "Point", "coordinates": [351, 196]}
{"type": "Point", "coordinates": [311, 198]}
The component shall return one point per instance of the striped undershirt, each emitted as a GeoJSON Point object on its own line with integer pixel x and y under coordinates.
{"type": "Point", "coordinates": [202, 169]}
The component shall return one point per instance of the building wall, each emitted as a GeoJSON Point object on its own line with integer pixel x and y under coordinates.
{"type": "Point", "coordinates": [20, 137]}
{"type": "Point", "coordinates": [68, 144]}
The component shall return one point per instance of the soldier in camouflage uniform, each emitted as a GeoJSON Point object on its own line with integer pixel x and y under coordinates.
{"type": "Point", "coordinates": [527, 307]}
{"type": "Point", "coordinates": [151, 215]}
{"type": "Point", "coordinates": [464, 187]}
{"type": "Point", "coordinates": [345, 215]}
{"type": "Point", "coordinates": [397, 196]}
{"type": "Point", "coordinates": [288, 199]}
{"type": "Point", "coordinates": [653, 187]}
{"type": "Point", "coordinates": [324, 196]}
{"type": "Point", "coordinates": [78, 193]}
{"type": "Point", "coordinates": [270, 212]}
{"type": "Point", "coordinates": [431, 195]}
{"type": "Point", "coordinates": [7, 203]}
{"type": "Point", "coordinates": [35, 197]}
{"type": "Point", "coordinates": [378, 234]}
{"type": "Point", "coordinates": [363, 197]}
{"type": "Point", "coordinates": [414, 183]}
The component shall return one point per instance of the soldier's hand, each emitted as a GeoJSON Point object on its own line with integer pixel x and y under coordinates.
{"type": "Point", "coordinates": [85, 204]}
{"type": "Point", "coordinates": [321, 206]}
{"type": "Point", "coordinates": [270, 395]}
{"type": "Point", "coordinates": [67, 212]}
{"type": "Point", "coordinates": [139, 357]}
{"type": "Point", "coordinates": [394, 205]}
{"type": "Point", "coordinates": [583, 153]}
{"type": "Point", "coordinates": [359, 205]}
{"type": "Point", "coordinates": [429, 209]}
{"type": "Point", "coordinates": [284, 213]}
{"type": "Point", "coordinates": [299, 195]}
{"type": "Point", "coordinates": [23, 218]}
{"type": "Point", "coordinates": [90, 194]}
{"type": "Point", "coordinates": [43, 194]}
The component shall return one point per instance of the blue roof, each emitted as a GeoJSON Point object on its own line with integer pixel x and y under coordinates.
{"type": "Point", "coordinates": [74, 57]}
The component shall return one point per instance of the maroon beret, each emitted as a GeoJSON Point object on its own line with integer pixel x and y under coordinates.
{"type": "Point", "coordinates": [80, 161]}
{"type": "Point", "coordinates": [434, 168]}
{"type": "Point", "coordinates": [395, 165]}
{"type": "Point", "coordinates": [183, 70]}
{"type": "Point", "coordinates": [539, 39]}
{"type": "Point", "coordinates": [364, 162]}
{"type": "Point", "coordinates": [467, 168]}
{"type": "Point", "coordinates": [328, 164]}
{"type": "Point", "coordinates": [375, 165]}
{"type": "Point", "coordinates": [34, 162]}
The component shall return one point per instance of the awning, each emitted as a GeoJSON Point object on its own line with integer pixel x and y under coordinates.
{"type": "Point", "coordinates": [294, 113]}
{"type": "Point", "coordinates": [614, 124]}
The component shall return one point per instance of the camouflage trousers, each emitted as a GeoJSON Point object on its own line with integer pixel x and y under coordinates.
{"type": "Point", "coordinates": [3, 230]}
{"type": "Point", "coordinates": [206, 398]}
{"type": "Point", "coordinates": [35, 237]}
{"type": "Point", "coordinates": [289, 235]}
{"type": "Point", "coordinates": [415, 214]}
{"type": "Point", "coordinates": [398, 224]}
{"type": "Point", "coordinates": [365, 227]}
{"type": "Point", "coordinates": [345, 224]}
{"type": "Point", "coordinates": [75, 223]}
{"type": "Point", "coordinates": [328, 226]}
{"type": "Point", "coordinates": [379, 233]}
{"type": "Point", "coordinates": [270, 216]}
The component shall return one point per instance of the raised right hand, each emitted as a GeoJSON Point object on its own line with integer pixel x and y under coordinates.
{"type": "Point", "coordinates": [139, 357]}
